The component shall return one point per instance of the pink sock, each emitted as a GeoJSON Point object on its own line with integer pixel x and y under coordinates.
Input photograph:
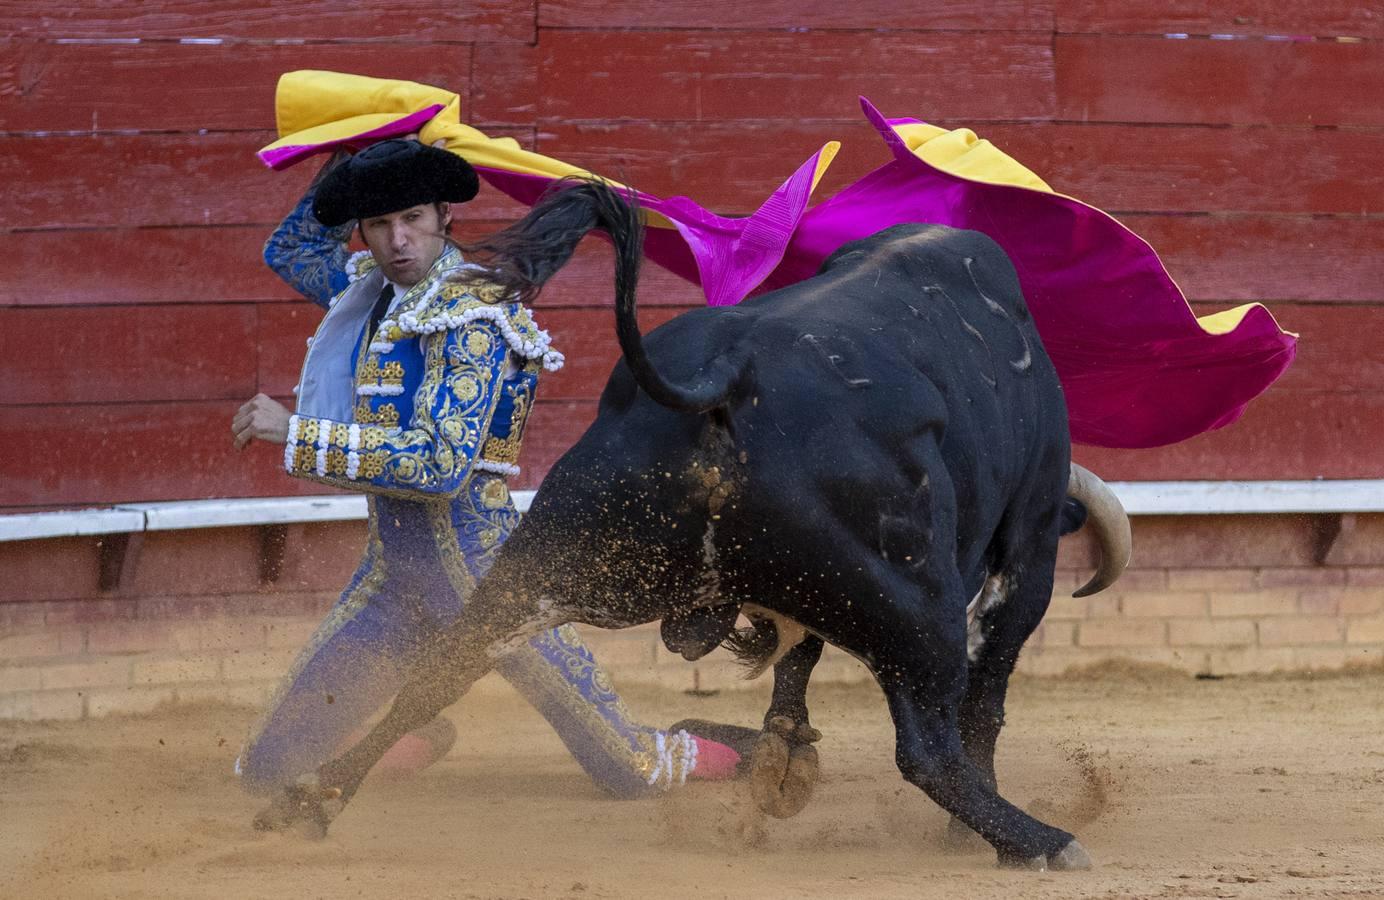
{"type": "Point", "coordinates": [715, 762]}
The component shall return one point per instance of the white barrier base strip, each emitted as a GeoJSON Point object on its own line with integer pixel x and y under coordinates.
{"type": "Point", "coordinates": [1141, 498]}
{"type": "Point", "coordinates": [176, 515]}
{"type": "Point", "coordinates": [68, 523]}
{"type": "Point", "coordinates": [1184, 498]}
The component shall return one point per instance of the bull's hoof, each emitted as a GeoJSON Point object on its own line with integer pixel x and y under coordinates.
{"type": "Point", "coordinates": [273, 817]}
{"type": "Point", "coordinates": [1071, 858]}
{"type": "Point", "coordinates": [306, 808]}
{"type": "Point", "coordinates": [784, 768]}
{"type": "Point", "coordinates": [792, 731]}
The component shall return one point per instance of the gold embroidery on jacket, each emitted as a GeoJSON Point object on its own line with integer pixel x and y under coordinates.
{"type": "Point", "coordinates": [386, 415]}
{"type": "Point", "coordinates": [506, 449]}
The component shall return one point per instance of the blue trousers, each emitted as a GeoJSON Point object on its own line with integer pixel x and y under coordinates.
{"type": "Point", "coordinates": [421, 563]}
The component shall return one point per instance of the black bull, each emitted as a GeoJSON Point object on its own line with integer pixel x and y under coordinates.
{"type": "Point", "coordinates": [879, 454]}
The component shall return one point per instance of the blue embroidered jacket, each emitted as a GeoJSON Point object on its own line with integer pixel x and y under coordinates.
{"type": "Point", "coordinates": [444, 389]}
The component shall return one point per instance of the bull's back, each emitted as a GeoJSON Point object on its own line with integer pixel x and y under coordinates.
{"type": "Point", "coordinates": [918, 327]}
{"type": "Point", "coordinates": [910, 345]}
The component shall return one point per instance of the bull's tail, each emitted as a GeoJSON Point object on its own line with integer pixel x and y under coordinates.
{"type": "Point", "coordinates": [754, 647]}
{"type": "Point", "coordinates": [714, 388]}
{"type": "Point", "coordinates": [769, 637]}
{"type": "Point", "coordinates": [525, 255]}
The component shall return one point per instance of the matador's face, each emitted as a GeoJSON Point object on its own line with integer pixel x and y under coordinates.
{"type": "Point", "coordinates": [407, 243]}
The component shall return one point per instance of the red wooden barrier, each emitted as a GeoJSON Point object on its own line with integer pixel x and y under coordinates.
{"type": "Point", "coordinates": [186, 87]}
{"type": "Point", "coordinates": [112, 181]}
{"type": "Point", "coordinates": [317, 20]}
{"type": "Point", "coordinates": [114, 354]}
{"type": "Point", "coordinates": [946, 15]}
{"type": "Point", "coordinates": [1255, 17]}
{"type": "Point", "coordinates": [731, 76]}
{"type": "Point", "coordinates": [282, 343]}
{"type": "Point", "coordinates": [1255, 82]}
{"type": "Point", "coordinates": [117, 452]}
{"type": "Point", "coordinates": [133, 292]}
{"type": "Point", "coordinates": [181, 264]}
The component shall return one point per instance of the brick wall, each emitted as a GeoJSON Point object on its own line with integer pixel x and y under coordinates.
{"type": "Point", "coordinates": [190, 618]}
{"type": "Point", "coordinates": [1226, 595]}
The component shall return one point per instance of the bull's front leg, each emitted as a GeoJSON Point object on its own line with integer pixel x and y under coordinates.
{"type": "Point", "coordinates": [922, 672]}
{"type": "Point", "coordinates": [1014, 612]}
{"type": "Point", "coordinates": [784, 765]}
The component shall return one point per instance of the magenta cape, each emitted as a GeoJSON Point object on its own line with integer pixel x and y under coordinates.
{"type": "Point", "coordinates": [1137, 367]}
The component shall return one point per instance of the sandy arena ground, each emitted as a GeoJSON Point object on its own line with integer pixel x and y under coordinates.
{"type": "Point", "coordinates": [1178, 788]}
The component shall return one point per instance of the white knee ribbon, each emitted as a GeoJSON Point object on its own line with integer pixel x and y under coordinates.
{"type": "Point", "coordinates": [675, 757]}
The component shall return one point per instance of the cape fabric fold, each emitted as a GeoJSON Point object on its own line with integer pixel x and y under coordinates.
{"type": "Point", "coordinates": [1139, 369]}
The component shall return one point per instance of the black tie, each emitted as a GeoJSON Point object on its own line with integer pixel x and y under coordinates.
{"type": "Point", "coordinates": [381, 306]}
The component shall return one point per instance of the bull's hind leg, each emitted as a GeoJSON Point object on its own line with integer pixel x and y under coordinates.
{"type": "Point", "coordinates": [791, 675]}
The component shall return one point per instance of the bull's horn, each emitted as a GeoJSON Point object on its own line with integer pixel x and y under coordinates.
{"type": "Point", "coordinates": [1106, 514]}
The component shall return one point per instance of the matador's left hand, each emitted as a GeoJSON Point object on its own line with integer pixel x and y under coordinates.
{"type": "Point", "coordinates": [261, 417]}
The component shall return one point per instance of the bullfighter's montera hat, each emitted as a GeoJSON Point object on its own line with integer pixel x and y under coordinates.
{"type": "Point", "coordinates": [390, 176]}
